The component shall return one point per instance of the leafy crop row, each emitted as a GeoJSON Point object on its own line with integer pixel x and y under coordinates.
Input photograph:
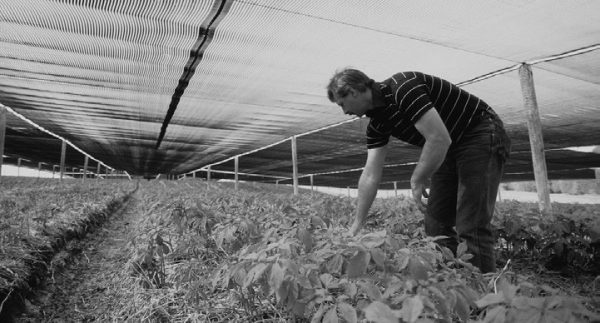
{"type": "Point", "coordinates": [37, 218]}
{"type": "Point", "coordinates": [257, 255]}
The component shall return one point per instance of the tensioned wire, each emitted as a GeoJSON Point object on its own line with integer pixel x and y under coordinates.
{"type": "Point", "coordinates": [571, 53]}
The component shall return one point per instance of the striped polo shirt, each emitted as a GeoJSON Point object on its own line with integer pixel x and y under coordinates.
{"type": "Point", "coordinates": [401, 100]}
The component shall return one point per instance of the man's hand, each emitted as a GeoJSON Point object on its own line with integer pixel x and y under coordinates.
{"type": "Point", "coordinates": [418, 192]}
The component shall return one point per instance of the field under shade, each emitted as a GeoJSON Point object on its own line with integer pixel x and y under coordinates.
{"type": "Point", "coordinates": [192, 251]}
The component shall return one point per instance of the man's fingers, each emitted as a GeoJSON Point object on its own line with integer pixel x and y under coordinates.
{"type": "Point", "coordinates": [425, 194]}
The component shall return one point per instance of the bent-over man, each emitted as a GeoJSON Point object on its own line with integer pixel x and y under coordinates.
{"type": "Point", "coordinates": [464, 148]}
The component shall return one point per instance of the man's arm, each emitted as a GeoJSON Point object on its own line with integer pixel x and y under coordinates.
{"type": "Point", "coordinates": [437, 141]}
{"type": "Point", "coordinates": [368, 184]}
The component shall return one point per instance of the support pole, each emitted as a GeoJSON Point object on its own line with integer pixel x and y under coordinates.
{"type": "Point", "coordinates": [535, 138]}
{"type": "Point", "coordinates": [348, 187]}
{"type": "Point", "coordinates": [19, 166]}
{"type": "Point", "coordinates": [39, 169]}
{"type": "Point", "coordinates": [98, 171]}
{"type": "Point", "coordinates": [2, 135]}
{"type": "Point", "coordinates": [194, 175]}
{"type": "Point", "coordinates": [396, 189]}
{"type": "Point", "coordinates": [54, 170]}
{"type": "Point", "coordinates": [295, 164]}
{"type": "Point", "coordinates": [208, 174]}
{"type": "Point", "coordinates": [63, 154]}
{"type": "Point", "coordinates": [237, 166]}
{"type": "Point", "coordinates": [312, 182]}
{"type": "Point", "coordinates": [85, 167]}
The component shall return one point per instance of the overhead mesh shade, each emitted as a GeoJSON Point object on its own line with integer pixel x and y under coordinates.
{"type": "Point", "coordinates": [172, 86]}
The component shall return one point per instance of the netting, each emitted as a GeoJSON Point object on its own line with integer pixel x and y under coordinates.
{"type": "Point", "coordinates": [173, 86]}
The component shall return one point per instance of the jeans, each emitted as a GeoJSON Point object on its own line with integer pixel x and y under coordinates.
{"type": "Point", "coordinates": [463, 191]}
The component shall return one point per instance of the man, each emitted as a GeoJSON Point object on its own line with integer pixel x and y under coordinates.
{"type": "Point", "coordinates": [464, 148]}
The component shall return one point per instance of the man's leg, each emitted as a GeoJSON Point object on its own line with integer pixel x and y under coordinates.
{"type": "Point", "coordinates": [440, 218]}
{"type": "Point", "coordinates": [480, 162]}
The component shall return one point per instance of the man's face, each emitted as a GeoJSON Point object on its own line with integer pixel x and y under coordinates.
{"type": "Point", "coordinates": [355, 103]}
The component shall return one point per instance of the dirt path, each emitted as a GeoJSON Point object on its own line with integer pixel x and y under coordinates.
{"type": "Point", "coordinates": [89, 284]}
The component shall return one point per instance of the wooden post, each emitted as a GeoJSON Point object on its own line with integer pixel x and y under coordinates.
{"type": "Point", "coordinates": [237, 165]}
{"type": "Point", "coordinates": [396, 189]}
{"type": "Point", "coordinates": [535, 138]}
{"type": "Point", "coordinates": [63, 154]}
{"type": "Point", "coordinates": [39, 169]}
{"type": "Point", "coordinates": [193, 174]}
{"type": "Point", "coordinates": [85, 167]}
{"type": "Point", "coordinates": [348, 187]}
{"type": "Point", "coordinates": [2, 135]}
{"type": "Point", "coordinates": [19, 166]}
{"type": "Point", "coordinates": [295, 164]}
{"type": "Point", "coordinates": [208, 174]}
{"type": "Point", "coordinates": [98, 171]}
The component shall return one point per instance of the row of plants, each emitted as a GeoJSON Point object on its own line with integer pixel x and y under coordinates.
{"type": "Point", "coordinates": [38, 217]}
{"type": "Point", "coordinates": [205, 252]}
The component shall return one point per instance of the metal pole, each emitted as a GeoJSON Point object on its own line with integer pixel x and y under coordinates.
{"type": "Point", "coordinates": [85, 167]}
{"type": "Point", "coordinates": [19, 166]}
{"type": "Point", "coordinates": [39, 169]}
{"type": "Point", "coordinates": [312, 183]}
{"type": "Point", "coordinates": [396, 189]}
{"type": "Point", "coordinates": [63, 153]}
{"type": "Point", "coordinates": [208, 174]}
{"type": "Point", "coordinates": [535, 138]}
{"type": "Point", "coordinates": [98, 171]}
{"type": "Point", "coordinates": [295, 164]}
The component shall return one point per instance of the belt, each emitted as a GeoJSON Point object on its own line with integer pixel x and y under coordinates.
{"type": "Point", "coordinates": [480, 115]}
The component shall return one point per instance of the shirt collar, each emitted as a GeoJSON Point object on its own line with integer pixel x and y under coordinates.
{"type": "Point", "coordinates": [377, 97]}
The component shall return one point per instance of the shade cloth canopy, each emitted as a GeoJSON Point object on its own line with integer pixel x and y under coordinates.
{"type": "Point", "coordinates": [156, 87]}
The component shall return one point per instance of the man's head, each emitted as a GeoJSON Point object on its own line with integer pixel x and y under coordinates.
{"type": "Point", "coordinates": [351, 90]}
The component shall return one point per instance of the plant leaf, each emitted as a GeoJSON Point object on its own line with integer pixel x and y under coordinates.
{"type": "Point", "coordinates": [417, 270]}
{"type": "Point", "coordinates": [317, 318]}
{"type": "Point", "coordinates": [371, 290]}
{"type": "Point", "coordinates": [412, 308]}
{"type": "Point", "coordinates": [307, 239]}
{"type": "Point", "coordinates": [373, 239]}
{"type": "Point", "coordinates": [347, 312]}
{"type": "Point", "coordinates": [461, 249]}
{"type": "Point", "coordinates": [334, 265]}
{"type": "Point", "coordinates": [380, 312]}
{"type": "Point", "coordinates": [357, 265]}
{"type": "Point", "coordinates": [254, 274]}
{"type": "Point", "coordinates": [490, 299]}
{"type": "Point", "coordinates": [276, 278]}
{"type": "Point", "coordinates": [495, 315]}
{"type": "Point", "coordinates": [378, 257]}
{"type": "Point", "coordinates": [331, 316]}
{"type": "Point", "coordinates": [461, 307]}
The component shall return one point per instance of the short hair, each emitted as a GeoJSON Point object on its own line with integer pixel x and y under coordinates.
{"type": "Point", "coordinates": [345, 79]}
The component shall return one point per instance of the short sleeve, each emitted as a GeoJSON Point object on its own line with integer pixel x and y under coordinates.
{"type": "Point", "coordinates": [412, 98]}
{"type": "Point", "coordinates": [376, 137]}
